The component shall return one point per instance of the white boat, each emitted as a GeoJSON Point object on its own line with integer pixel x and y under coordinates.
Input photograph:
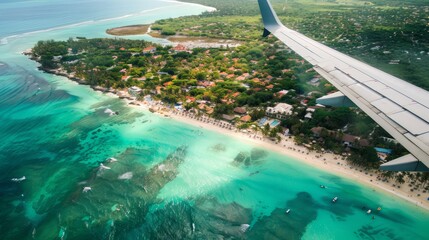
{"type": "Point", "coordinates": [18, 179]}
{"type": "Point", "coordinates": [335, 199]}
{"type": "Point", "coordinates": [104, 167]}
{"type": "Point", "coordinates": [288, 211]}
{"type": "Point", "coordinates": [244, 227]}
{"type": "Point", "coordinates": [369, 211]}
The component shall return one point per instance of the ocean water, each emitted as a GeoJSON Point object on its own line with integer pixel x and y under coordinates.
{"type": "Point", "coordinates": [171, 180]}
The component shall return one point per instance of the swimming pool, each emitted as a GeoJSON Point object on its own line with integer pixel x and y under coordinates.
{"type": "Point", "coordinates": [262, 121]}
{"type": "Point", "coordinates": [274, 123]}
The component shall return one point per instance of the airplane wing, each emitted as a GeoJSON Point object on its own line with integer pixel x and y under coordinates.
{"type": "Point", "coordinates": [401, 108]}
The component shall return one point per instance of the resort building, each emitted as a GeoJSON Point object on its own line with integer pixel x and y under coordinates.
{"type": "Point", "coordinates": [228, 117]}
{"type": "Point", "coordinates": [240, 110]}
{"type": "Point", "coordinates": [347, 140]}
{"type": "Point", "coordinates": [134, 91]}
{"type": "Point", "coordinates": [280, 111]}
{"type": "Point", "coordinates": [246, 118]}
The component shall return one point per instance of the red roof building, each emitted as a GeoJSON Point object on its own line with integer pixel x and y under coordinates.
{"type": "Point", "coordinates": [180, 48]}
{"type": "Point", "coordinates": [150, 49]}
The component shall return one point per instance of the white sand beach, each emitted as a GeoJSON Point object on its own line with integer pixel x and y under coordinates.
{"type": "Point", "coordinates": [326, 161]}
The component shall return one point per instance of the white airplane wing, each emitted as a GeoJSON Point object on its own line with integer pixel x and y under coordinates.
{"type": "Point", "coordinates": [401, 108]}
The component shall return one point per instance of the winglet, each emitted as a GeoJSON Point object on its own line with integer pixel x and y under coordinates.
{"type": "Point", "coordinates": [265, 33]}
{"type": "Point", "coordinates": [269, 17]}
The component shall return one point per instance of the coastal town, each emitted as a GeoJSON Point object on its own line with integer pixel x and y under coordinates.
{"type": "Point", "coordinates": [198, 119]}
{"type": "Point", "coordinates": [259, 90]}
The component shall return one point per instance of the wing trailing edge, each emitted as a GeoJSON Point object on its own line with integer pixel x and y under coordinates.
{"type": "Point", "coordinates": [399, 107]}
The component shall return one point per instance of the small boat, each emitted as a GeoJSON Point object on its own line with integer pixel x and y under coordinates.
{"type": "Point", "coordinates": [322, 186]}
{"type": "Point", "coordinates": [288, 211]}
{"type": "Point", "coordinates": [18, 179]}
{"type": "Point", "coordinates": [335, 199]}
{"type": "Point", "coordinates": [379, 209]}
{"type": "Point", "coordinates": [112, 159]}
{"type": "Point", "coordinates": [244, 227]}
{"type": "Point", "coordinates": [104, 167]}
{"type": "Point", "coordinates": [86, 189]}
{"type": "Point", "coordinates": [369, 211]}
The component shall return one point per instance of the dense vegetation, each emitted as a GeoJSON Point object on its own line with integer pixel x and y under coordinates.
{"type": "Point", "coordinates": [391, 35]}
{"type": "Point", "coordinates": [215, 81]}
{"type": "Point", "coordinates": [111, 59]}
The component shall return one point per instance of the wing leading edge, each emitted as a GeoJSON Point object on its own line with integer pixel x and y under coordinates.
{"type": "Point", "coordinates": [401, 108]}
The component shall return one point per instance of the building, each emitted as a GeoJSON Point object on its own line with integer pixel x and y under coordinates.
{"type": "Point", "coordinates": [179, 48]}
{"type": "Point", "coordinates": [346, 140]}
{"type": "Point", "coordinates": [246, 118]}
{"type": "Point", "coordinates": [134, 91]}
{"type": "Point", "coordinates": [125, 78]}
{"type": "Point", "coordinates": [315, 81]}
{"type": "Point", "coordinates": [282, 93]}
{"type": "Point", "coordinates": [228, 117]}
{"type": "Point", "coordinates": [286, 131]}
{"type": "Point", "coordinates": [240, 110]}
{"type": "Point", "coordinates": [150, 49]}
{"type": "Point", "coordinates": [354, 141]}
{"type": "Point", "coordinates": [280, 111]}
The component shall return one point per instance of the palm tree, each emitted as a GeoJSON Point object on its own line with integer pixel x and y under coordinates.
{"type": "Point", "coordinates": [400, 178]}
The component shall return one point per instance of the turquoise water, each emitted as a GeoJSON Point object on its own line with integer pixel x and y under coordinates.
{"type": "Point", "coordinates": [171, 180]}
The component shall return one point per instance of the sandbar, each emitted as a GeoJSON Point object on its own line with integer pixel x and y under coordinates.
{"type": "Point", "coordinates": [129, 30]}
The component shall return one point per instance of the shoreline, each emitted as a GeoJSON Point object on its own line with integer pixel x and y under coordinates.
{"type": "Point", "coordinates": [328, 162]}
{"type": "Point", "coordinates": [324, 161]}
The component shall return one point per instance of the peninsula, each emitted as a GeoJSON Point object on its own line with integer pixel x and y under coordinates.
{"type": "Point", "coordinates": [129, 30]}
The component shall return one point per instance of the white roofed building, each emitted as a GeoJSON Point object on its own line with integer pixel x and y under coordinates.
{"type": "Point", "coordinates": [134, 91]}
{"type": "Point", "coordinates": [280, 111]}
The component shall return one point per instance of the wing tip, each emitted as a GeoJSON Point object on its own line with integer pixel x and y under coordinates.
{"type": "Point", "coordinates": [269, 16]}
